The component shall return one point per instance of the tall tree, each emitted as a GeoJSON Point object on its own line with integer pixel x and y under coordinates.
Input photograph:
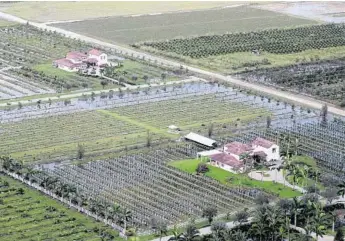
{"type": "Point", "coordinates": [209, 213]}
{"type": "Point", "coordinates": [339, 236]}
{"type": "Point", "coordinates": [341, 189]}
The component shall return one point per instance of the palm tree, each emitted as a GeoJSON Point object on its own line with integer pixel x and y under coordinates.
{"type": "Point", "coordinates": [259, 227]}
{"type": "Point", "coordinates": [275, 220]}
{"type": "Point", "coordinates": [241, 217]}
{"type": "Point", "coordinates": [295, 208]}
{"type": "Point", "coordinates": [209, 213]}
{"type": "Point", "coordinates": [286, 206]}
{"type": "Point", "coordinates": [341, 190]}
{"type": "Point", "coordinates": [295, 172]}
{"type": "Point", "coordinates": [190, 234]}
{"type": "Point", "coordinates": [219, 230]}
{"type": "Point", "coordinates": [162, 229]}
{"type": "Point", "coordinates": [176, 234]}
{"type": "Point", "coordinates": [319, 223]}
{"type": "Point", "coordinates": [124, 217]}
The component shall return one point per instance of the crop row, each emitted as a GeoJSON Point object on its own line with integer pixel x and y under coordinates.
{"type": "Point", "coordinates": [323, 79]}
{"type": "Point", "coordinates": [278, 41]}
{"type": "Point", "coordinates": [149, 188]}
{"type": "Point", "coordinates": [26, 215]}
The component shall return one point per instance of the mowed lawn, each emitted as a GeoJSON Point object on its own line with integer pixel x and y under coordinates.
{"type": "Point", "coordinates": [232, 179]}
{"type": "Point", "coordinates": [129, 30]}
{"type": "Point", "coordinates": [26, 214]}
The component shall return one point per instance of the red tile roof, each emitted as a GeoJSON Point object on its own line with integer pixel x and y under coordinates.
{"type": "Point", "coordinates": [227, 160]}
{"type": "Point", "coordinates": [66, 63]}
{"type": "Point", "coordinates": [262, 142]}
{"type": "Point", "coordinates": [75, 55]}
{"type": "Point", "coordinates": [237, 148]}
{"type": "Point", "coordinates": [95, 52]}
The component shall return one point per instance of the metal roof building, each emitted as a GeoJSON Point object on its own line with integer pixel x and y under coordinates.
{"type": "Point", "coordinates": [201, 139]}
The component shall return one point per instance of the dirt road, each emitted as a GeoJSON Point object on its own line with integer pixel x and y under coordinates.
{"type": "Point", "coordinates": [299, 99]}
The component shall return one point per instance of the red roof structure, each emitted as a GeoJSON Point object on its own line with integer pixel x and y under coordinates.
{"type": "Point", "coordinates": [227, 160]}
{"type": "Point", "coordinates": [262, 142]}
{"type": "Point", "coordinates": [237, 148]}
{"type": "Point", "coordinates": [77, 56]}
{"type": "Point", "coordinates": [95, 52]}
{"type": "Point", "coordinates": [66, 63]}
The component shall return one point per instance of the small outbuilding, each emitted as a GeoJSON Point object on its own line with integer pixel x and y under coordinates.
{"type": "Point", "coordinates": [201, 140]}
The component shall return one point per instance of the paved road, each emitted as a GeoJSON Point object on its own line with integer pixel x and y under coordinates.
{"type": "Point", "coordinates": [303, 100]}
{"type": "Point", "coordinates": [79, 94]}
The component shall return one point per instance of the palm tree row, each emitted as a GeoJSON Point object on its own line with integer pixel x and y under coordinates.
{"type": "Point", "coordinates": [103, 209]}
{"type": "Point", "coordinates": [270, 222]}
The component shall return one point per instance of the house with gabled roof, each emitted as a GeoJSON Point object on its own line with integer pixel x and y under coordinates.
{"type": "Point", "coordinates": [233, 156]}
{"type": "Point", "coordinates": [75, 61]}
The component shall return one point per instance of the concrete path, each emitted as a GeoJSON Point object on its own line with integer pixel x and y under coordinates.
{"type": "Point", "coordinates": [274, 175]}
{"type": "Point", "coordinates": [300, 99]}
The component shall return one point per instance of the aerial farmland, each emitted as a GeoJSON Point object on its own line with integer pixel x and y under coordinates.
{"type": "Point", "coordinates": [164, 121]}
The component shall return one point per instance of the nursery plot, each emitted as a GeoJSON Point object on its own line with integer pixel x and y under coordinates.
{"type": "Point", "coordinates": [57, 137]}
{"type": "Point", "coordinates": [322, 79]}
{"type": "Point", "coordinates": [277, 41]}
{"type": "Point", "coordinates": [149, 188]}
{"type": "Point", "coordinates": [194, 113]}
{"type": "Point", "coordinates": [26, 214]}
{"type": "Point", "coordinates": [131, 29]}
{"type": "Point", "coordinates": [14, 86]}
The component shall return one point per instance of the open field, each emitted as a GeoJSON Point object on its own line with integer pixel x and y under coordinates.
{"type": "Point", "coordinates": [235, 180]}
{"type": "Point", "coordinates": [195, 114]}
{"type": "Point", "coordinates": [58, 137]}
{"type": "Point", "coordinates": [145, 185]}
{"type": "Point", "coordinates": [129, 30]}
{"type": "Point", "coordinates": [331, 11]}
{"type": "Point", "coordinates": [26, 214]}
{"type": "Point", "coordinates": [64, 11]}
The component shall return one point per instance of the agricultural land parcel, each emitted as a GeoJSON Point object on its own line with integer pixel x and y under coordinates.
{"type": "Point", "coordinates": [231, 179]}
{"type": "Point", "coordinates": [57, 137]}
{"type": "Point", "coordinates": [32, 216]}
{"type": "Point", "coordinates": [26, 69]}
{"type": "Point", "coordinates": [128, 30]}
{"type": "Point", "coordinates": [275, 56]}
{"type": "Point", "coordinates": [64, 11]}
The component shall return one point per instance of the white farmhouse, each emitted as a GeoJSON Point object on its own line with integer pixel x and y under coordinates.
{"type": "Point", "coordinates": [270, 149]}
{"type": "Point", "coordinates": [232, 156]}
{"type": "Point", "coordinates": [98, 57]}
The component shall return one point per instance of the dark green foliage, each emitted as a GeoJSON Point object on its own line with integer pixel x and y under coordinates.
{"type": "Point", "coordinates": [202, 168]}
{"type": "Point", "coordinates": [277, 41]}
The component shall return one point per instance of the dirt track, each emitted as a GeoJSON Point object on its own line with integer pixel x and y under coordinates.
{"type": "Point", "coordinates": [299, 99]}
